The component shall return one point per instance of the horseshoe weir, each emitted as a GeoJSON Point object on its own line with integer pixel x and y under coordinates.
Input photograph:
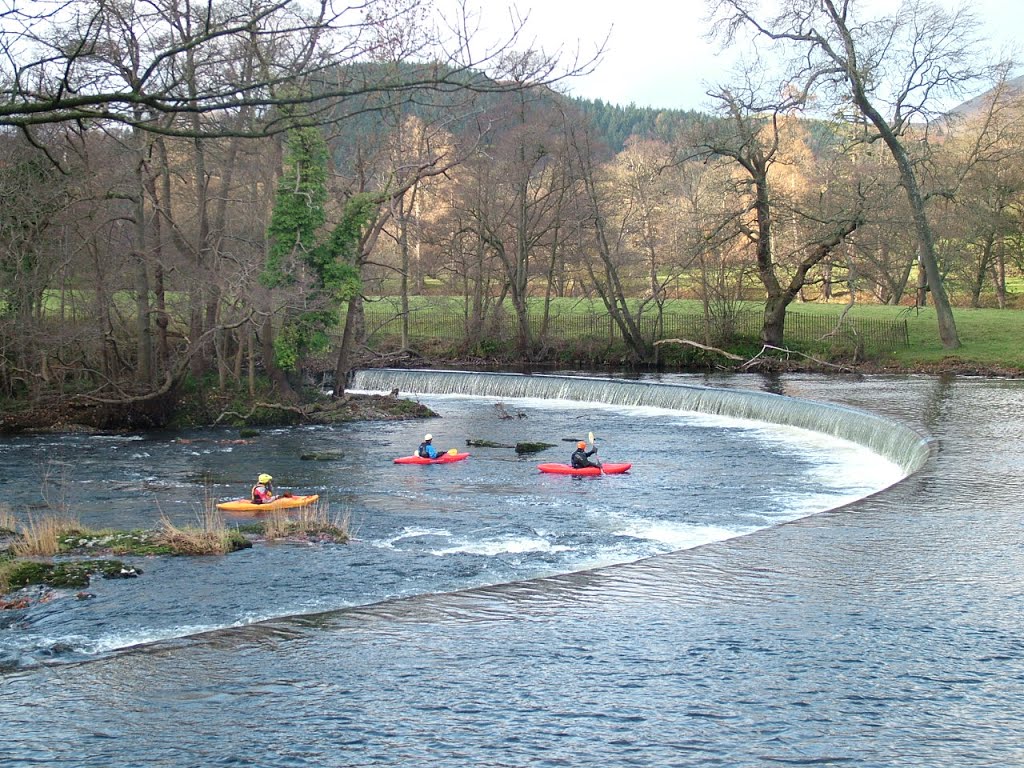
{"type": "Point", "coordinates": [896, 442]}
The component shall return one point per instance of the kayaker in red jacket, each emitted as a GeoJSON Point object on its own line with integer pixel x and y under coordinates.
{"type": "Point", "coordinates": [263, 491]}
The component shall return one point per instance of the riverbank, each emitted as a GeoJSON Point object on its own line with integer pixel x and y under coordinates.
{"type": "Point", "coordinates": [864, 337]}
{"type": "Point", "coordinates": [203, 408]}
{"type": "Point", "coordinates": [213, 408]}
{"type": "Point", "coordinates": [778, 361]}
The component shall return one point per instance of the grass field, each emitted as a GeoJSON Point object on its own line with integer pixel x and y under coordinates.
{"type": "Point", "coordinates": [988, 337]}
{"type": "Point", "coordinates": [991, 338]}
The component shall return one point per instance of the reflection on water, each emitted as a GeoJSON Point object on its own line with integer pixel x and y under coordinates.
{"type": "Point", "coordinates": [884, 633]}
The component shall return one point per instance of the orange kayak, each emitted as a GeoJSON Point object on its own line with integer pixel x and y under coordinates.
{"type": "Point", "coordinates": [281, 502]}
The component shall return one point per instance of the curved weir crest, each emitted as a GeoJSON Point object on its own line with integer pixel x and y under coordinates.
{"type": "Point", "coordinates": [897, 442]}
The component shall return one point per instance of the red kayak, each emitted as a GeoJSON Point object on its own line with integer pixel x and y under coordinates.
{"type": "Point", "coordinates": [444, 458]}
{"type": "Point", "coordinates": [565, 469]}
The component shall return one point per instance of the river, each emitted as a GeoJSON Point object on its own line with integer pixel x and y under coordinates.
{"type": "Point", "coordinates": [749, 594]}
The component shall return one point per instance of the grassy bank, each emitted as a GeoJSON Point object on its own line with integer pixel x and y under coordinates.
{"type": "Point", "coordinates": [991, 339]}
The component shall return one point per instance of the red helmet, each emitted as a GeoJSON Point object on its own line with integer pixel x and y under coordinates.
{"type": "Point", "coordinates": [581, 444]}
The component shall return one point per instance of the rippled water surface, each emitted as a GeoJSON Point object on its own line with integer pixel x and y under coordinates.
{"type": "Point", "coordinates": [886, 632]}
{"type": "Point", "coordinates": [490, 519]}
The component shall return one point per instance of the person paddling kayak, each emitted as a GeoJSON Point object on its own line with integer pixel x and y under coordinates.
{"type": "Point", "coordinates": [581, 457]}
{"type": "Point", "coordinates": [426, 449]}
{"type": "Point", "coordinates": [263, 491]}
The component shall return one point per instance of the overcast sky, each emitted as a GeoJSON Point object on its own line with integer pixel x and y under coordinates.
{"type": "Point", "coordinates": [656, 55]}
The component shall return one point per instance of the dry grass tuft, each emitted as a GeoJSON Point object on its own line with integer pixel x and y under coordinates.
{"type": "Point", "coordinates": [315, 519]}
{"type": "Point", "coordinates": [211, 536]}
{"type": "Point", "coordinates": [40, 536]}
{"type": "Point", "coordinates": [8, 522]}
{"type": "Point", "coordinates": [276, 526]}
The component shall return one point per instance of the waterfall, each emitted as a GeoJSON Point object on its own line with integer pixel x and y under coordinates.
{"type": "Point", "coordinates": [897, 442]}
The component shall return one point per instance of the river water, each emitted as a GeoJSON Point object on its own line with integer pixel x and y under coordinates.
{"type": "Point", "coordinates": [702, 610]}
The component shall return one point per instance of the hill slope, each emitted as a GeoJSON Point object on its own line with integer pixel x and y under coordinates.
{"type": "Point", "coordinates": [1011, 89]}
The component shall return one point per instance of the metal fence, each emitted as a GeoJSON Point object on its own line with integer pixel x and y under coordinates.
{"type": "Point", "coordinates": [383, 322]}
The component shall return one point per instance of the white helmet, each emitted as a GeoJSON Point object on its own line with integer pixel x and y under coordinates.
{"type": "Point", "coordinates": [428, 437]}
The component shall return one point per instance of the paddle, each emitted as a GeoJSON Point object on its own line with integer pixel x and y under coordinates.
{"type": "Point", "coordinates": [591, 459]}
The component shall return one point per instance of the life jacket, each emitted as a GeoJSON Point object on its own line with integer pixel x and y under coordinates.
{"type": "Point", "coordinates": [260, 493]}
{"type": "Point", "coordinates": [581, 458]}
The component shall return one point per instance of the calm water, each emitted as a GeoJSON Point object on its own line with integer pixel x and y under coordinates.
{"type": "Point", "coordinates": [886, 632]}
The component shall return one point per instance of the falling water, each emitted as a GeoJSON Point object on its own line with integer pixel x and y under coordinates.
{"type": "Point", "coordinates": [896, 442]}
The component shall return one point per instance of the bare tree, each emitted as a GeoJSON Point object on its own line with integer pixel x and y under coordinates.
{"type": "Point", "coordinates": [479, 271]}
{"type": "Point", "coordinates": [643, 180]}
{"type": "Point", "coordinates": [892, 69]}
{"type": "Point", "coordinates": [714, 264]}
{"type": "Point", "coordinates": [750, 136]}
{"type": "Point", "coordinates": [197, 95]}
{"type": "Point", "coordinates": [58, 62]}
{"type": "Point", "coordinates": [619, 205]}
{"type": "Point", "coordinates": [519, 212]}
{"type": "Point", "coordinates": [985, 155]}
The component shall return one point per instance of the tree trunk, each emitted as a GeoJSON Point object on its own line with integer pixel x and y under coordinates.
{"type": "Point", "coordinates": [981, 270]}
{"type": "Point", "coordinates": [159, 294]}
{"type": "Point", "coordinates": [999, 276]}
{"type": "Point", "coordinates": [343, 366]}
{"type": "Point", "coordinates": [403, 249]}
{"type": "Point", "coordinates": [899, 287]}
{"type": "Point", "coordinates": [143, 325]}
{"type": "Point", "coordinates": [277, 377]}
{"type": "Point", "coordinates": [477, 312]}
{"type": "Point", "coordinates": [250, 334]}
{"type": "Point", "coordinates": [774, 327]}
{"type": "Point", "coordinates": [923, 230]}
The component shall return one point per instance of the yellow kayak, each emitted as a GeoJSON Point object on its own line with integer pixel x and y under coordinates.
{"type": "Point", "coordinates": [281, 502]}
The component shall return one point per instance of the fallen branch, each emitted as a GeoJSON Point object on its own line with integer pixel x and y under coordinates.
{"type": "Point", "coordinates": [705, 347]}
{"type": "Point", "coordinates": [256, 406]}
{"type": "Point", "coordinates": [757, 360]}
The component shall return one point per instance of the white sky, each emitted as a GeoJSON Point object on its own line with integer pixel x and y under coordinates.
{"type": "Point", "coordinates": [657, 56]}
